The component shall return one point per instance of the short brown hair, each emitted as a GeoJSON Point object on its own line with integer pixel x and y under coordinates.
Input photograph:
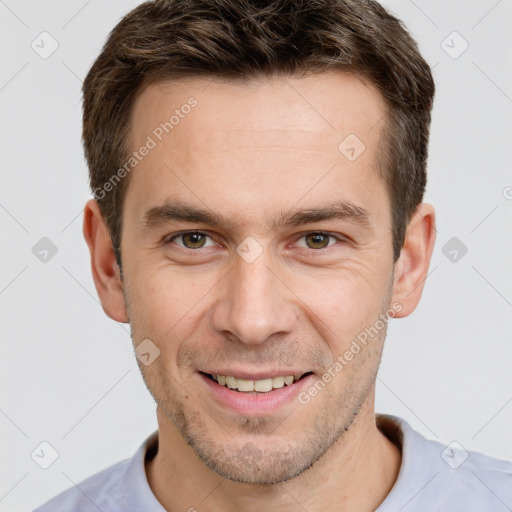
{"type": "Point", "coordinates": [245, 39]}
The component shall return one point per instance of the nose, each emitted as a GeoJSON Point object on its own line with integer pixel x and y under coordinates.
{"type": "Point", "coordinates": [254, 303]}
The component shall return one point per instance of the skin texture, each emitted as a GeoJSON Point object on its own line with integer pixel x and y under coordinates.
{"type": "Point", "coordinates": [251, 152]}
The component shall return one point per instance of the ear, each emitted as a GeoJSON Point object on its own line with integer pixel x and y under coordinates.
{"type": "Point", "coordinates": [105, 270]}
{"type": "Point", "coordinates": [411, 268]}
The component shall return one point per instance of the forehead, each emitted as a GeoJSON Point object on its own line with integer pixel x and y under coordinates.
{"type": "Point", "coordinates": [251, 145]}
{"type": "Point", "coordinates": [325, 103]}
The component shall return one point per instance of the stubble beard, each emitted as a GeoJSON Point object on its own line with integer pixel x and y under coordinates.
{"type": "Point", "coordinates": [254, 462]}
{"type": "Point", "coordinates": [269, 457]}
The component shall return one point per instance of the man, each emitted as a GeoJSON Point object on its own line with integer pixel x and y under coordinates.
{"type": "Point", "coordinates": [258, 170]}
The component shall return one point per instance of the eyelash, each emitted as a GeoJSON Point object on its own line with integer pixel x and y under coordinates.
{"type": "Point", "coordinates": [182, 233]}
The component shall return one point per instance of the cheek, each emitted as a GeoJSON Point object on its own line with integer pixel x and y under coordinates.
{"type": "Point", "coordinates": [166, 303]}
{"type": "Point", "coordinates": [341, 304]}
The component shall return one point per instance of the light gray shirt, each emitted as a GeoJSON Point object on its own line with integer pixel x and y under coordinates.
{"type": "Point", "coordinates": [432, 478]}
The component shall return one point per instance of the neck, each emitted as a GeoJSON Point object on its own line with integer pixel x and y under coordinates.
{"type": "Point", "coordinates": [361, 460]}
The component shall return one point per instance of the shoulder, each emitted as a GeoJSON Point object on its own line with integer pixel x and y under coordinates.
{"type": "Point", "coordinates": [122, 487]}
{"type": "Point", "coordinates": [99, 492]}
{"type": "Point", "coordinates": [445, 477]}
{"type": "Point", "coordinates": [485, 483]}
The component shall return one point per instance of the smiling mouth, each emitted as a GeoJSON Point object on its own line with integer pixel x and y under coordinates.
{"type": "Point", "coordinates": [255, 387]}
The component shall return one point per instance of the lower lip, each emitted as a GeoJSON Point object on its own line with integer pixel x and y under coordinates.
{"type": "Point", "coordinates": [264, 403]}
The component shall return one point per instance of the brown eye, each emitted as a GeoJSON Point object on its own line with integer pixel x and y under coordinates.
{"type": "Point", "coordinates": [193, 240]}
{"type": "Point", "coordinates": [190, 239]}
{"type": "Point", "coordinates": [317, 240]}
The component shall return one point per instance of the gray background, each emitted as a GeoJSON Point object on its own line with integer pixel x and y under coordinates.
{"type": "Point", "coordinates": [68, 373]}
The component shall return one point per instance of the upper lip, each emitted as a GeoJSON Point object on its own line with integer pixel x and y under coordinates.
{"type": "Point", "coordinates": [259, 375]}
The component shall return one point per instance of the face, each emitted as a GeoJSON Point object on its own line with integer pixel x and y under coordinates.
{"type": "Point", "coordinates": [254, 246]}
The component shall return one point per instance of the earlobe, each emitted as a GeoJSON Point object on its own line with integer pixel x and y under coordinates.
{"type": "Point", "coordinates": [411, 268]}
{"type": "Point", "coordinates": [105, 270]}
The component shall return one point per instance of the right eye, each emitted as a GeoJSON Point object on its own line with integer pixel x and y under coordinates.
{"type": "Point", "coordinates": [190, 239]}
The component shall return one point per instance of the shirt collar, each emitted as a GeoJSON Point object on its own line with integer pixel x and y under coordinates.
{"type": "Point", "coordinates": [137, 494]}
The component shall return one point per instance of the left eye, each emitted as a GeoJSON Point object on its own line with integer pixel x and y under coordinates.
{"type": "Point", "coordinates": [318, 240]}
{"type": "Point", "coordinates": [197, 240]}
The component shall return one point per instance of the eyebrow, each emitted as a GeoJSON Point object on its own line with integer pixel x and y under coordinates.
{"type": "Point", "coordinates": [177, 210]}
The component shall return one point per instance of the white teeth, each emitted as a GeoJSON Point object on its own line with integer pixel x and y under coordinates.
{"type": "Point", "coordinates": [277, 382]}
{"type": "Point", "coordinates": [261, 385]}
{"type": "Point", "coordinates": [231, 382]}
{"type": "Point", "coordinates": [245, 385]}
